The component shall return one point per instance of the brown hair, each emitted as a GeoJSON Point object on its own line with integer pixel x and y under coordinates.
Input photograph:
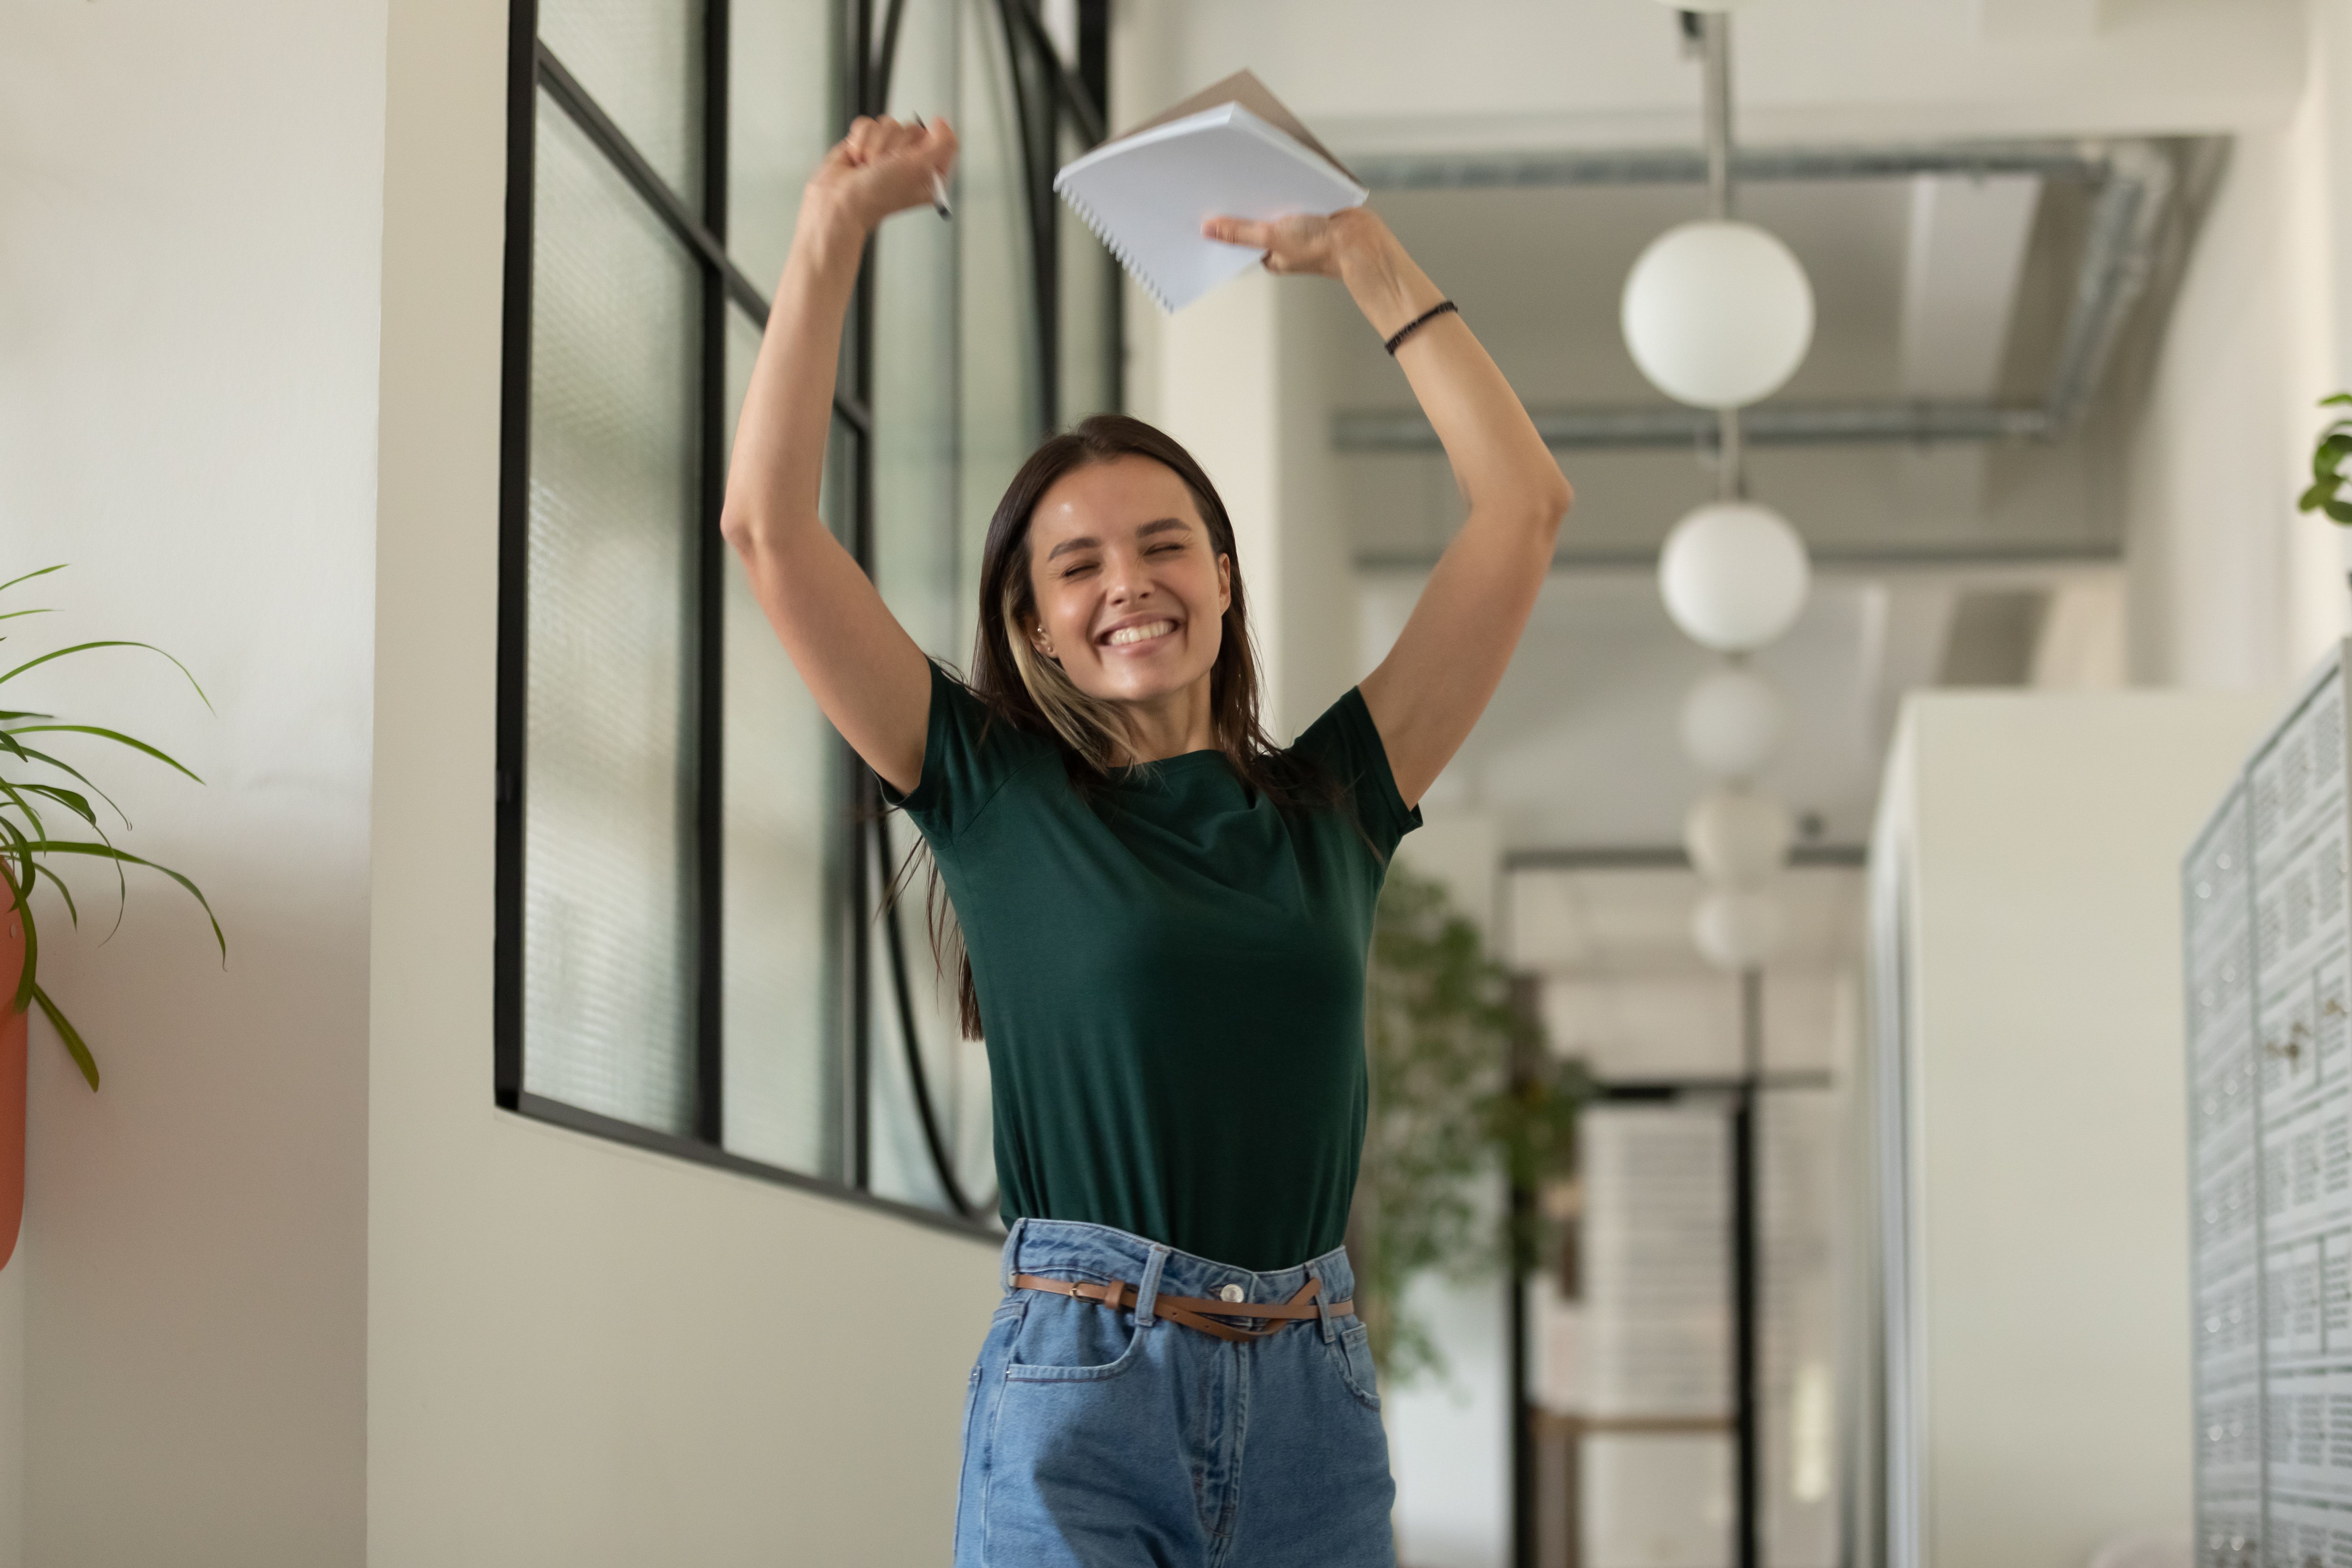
{"type": "Point", "coordinates": [1033, 694]}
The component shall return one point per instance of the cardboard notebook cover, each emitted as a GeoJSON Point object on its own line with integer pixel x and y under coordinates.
{"type": "Point", "coordinates": [1231, 149]}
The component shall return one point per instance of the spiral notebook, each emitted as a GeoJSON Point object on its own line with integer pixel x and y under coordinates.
{"type": "Point", "coordinates": [1230, 150]}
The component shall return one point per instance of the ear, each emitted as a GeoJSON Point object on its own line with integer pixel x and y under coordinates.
{"type": "Point", "coordinates": [1225, 584]}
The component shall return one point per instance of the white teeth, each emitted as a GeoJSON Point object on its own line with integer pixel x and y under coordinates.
{"type": "Point", "coordinates": [1126, 635]}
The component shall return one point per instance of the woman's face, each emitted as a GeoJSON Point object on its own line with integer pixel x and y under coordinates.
{"type": "Point", "coordinates": [1131, 596]}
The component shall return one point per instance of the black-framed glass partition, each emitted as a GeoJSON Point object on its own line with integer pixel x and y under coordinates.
{"type": "Point", "coordinates": [695, 951]}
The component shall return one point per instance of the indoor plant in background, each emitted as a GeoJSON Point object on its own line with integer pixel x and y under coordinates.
{"type": "Point", "coordinates": [1462, 1088]}
{"type": "Point", "coordinates": [47, 813]}
{"type": "Point", "coordinates": [2328, 456]}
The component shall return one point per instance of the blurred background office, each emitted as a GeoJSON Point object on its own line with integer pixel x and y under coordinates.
{"type": "Point", "coordinates": [495, 1203]}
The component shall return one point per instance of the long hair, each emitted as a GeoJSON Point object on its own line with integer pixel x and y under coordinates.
{"type": "Point", "coordinates": [1033, 694]}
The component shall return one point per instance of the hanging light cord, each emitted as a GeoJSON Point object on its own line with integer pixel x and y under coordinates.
{"type": "Point", "coordinates": [1714, 37]}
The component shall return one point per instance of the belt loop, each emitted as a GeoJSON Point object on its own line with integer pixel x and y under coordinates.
{"type": "Point", "coordinates": [1323, 1312]}
{"type": "Point", "coordinates": [1012, 1251]}
{"type": "Point", "coordinates": [1149, 1291]}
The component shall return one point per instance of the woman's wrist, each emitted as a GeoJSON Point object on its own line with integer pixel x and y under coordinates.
{"type": "Point", "coordinates": [1384, 281]}
{"type": "Point", "coordinates": [830, 231]}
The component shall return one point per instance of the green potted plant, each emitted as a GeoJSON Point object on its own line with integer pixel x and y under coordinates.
{"type": "Point", "coordinates": [1462, 1088]}
{"type": "Point", "coordinates": [2329, 453]}
{"type": "Point", "coordinates": [47, 813]}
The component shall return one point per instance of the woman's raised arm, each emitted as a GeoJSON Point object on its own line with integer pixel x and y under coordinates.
{"type": "Point", "coordinates": [866, 672]}
{"type": "Point", "coordinates": [1429, 690]}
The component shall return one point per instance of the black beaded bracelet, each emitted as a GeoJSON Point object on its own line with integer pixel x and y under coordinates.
{"type": "Point", "coordinates": [1442, 308]}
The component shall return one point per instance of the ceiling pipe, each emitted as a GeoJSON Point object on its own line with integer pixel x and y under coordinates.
{"type": "Point", "coordinates": [2135, 184]}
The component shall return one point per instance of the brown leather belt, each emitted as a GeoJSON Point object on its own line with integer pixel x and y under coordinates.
{"type": "Point", "coordinates": [1196, 1311]}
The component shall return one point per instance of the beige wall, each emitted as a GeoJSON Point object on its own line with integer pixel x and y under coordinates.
{"type": "Point", "coordinates": [2040, 836]}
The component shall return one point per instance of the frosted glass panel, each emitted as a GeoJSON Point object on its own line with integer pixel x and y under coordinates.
{"type": "Point", "coordinates": [783, 113]}
{"type": "Point", "coordinates": [1655, 1500]}
{"type": "Point", "coordinates": [607, 959]}
{"type": "Point", "coordinates": [956, 1068]}
{"type": "Point", "coordinates": [641, 60]}
{"type": "Point", "coordinates": [917, 546]}
{"type": "Point", "coordinates": [997, 315]}
{"type": "Point", "coordinates": [784, 819]}
{"type": "Point", "coordinates": [1800, 1136]}
{"type": "Point", "coordinates": [1088, 281]}
{"type": "Point", "coordinates": [1657, 1260]}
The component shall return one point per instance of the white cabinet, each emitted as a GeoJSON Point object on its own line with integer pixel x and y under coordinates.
{"type": "Point", "coordinates": [2025, 1356]}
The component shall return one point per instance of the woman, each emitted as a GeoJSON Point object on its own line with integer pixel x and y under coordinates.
{"type": "Point", "coordinates": [1167, 916]}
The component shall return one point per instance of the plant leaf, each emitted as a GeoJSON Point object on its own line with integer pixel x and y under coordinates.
{"type": "Point", "coordinates": [2341, 397]}
{"type": "Point", "coordinates": [24, 907]}
{"type": "Point", "coordinates": [72, 800]}
{"type": "Point", "coordinates": [108, 642]}
{"type": "Point", "coordinates": [114, 735]}
{"type": "Point", "coordinates": [8, 743]}
{"type": "Point", "coordinates": [63, 891]}
{"type": "Point", "coordinates": [30, 575]}
{"type": "Point", "coordinates": [12, 615]}
{"type": "Point", "coordinates": [107, 851]}
{"type": "Point", "coordinates": [70, 1036]}
{"type": "Point", "coordinates": [24, 805]}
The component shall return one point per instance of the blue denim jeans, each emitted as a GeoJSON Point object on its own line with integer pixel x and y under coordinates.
{"type": "Point", "coordinates": [1102, 1439]}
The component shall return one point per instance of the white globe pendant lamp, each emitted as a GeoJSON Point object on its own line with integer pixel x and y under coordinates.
{"type": "Point", "coordinates": [1734, 575]}
{"type": "Point", "coordinates": [1717, 313]}
{"type": "Point", "coordinates": [1736, 928]}
{"type": "Point", "coordinates": [1735, 839]}
{"type": "Point", "coordinates": [1732, 723]}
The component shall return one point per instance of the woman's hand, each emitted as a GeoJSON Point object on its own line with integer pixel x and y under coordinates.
{"type": "Point", "coordinates": [1352, 245]}
{"type": "Point", "coordinates": [1330, 246]}
{"type": "Point", "coordinates": [881, 167]}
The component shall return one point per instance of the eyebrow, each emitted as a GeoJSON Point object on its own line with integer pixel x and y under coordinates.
{"type": "Point", "coordinates": [1088, 542]}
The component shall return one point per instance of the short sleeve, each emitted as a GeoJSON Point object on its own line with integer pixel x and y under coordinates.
{"type": "Point", "coordinates": [1347, 744]}
{"type": "Point", "coordinates": [966, 760]}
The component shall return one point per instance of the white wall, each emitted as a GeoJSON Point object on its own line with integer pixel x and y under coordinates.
{"type": "Point", "coordinates": [1243, 379]}
{"type": "Point", "coordinates": [2040, 836]}
{"type": "Point", "coordinates": [12, 1412]}
{"type": "Point", "coordinates": [189, 235]}
{"type": "Point", "coordinates": [2228, 586]}
{"type": "Point", "coordinates": [578, 1352]}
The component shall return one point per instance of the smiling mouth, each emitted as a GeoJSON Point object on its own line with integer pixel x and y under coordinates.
{"type": "Point", "coordinates": [1128, 636]}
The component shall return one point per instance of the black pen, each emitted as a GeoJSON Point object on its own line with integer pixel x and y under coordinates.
{"type": "Point", "coordinates": [939, 186]}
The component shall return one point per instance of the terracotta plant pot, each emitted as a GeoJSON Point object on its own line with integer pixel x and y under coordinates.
{"type": "Point", "coordinates": [12, 1085]}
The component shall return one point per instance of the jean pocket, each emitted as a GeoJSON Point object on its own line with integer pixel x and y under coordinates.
{"type": "Point", "coordinates": [1356, 1365]}
{"type": "Point", "coordinates": [1064, 1338]}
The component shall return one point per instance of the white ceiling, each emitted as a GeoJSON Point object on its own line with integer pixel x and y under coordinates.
{"type": "Point", "coordinates": [1934, 288]}
{"type": "Point", "coordinates": [1579, 749]}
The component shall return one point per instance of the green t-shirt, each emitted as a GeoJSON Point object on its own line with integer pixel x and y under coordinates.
{"type": "Point", "coordinates": [1171, 978]}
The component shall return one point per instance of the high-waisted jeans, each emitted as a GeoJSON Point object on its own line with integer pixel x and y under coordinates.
{"type": "Point", "coordinates": [1102, 1439]}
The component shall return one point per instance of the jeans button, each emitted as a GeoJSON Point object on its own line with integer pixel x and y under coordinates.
{"type": "Point", "coordinates": [1231, 1292]}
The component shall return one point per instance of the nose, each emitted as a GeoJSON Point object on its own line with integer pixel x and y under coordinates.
{"type": "Point", "coordinates": [1125, 578]}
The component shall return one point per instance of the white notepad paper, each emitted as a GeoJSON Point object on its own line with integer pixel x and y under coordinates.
{"type": "Point", "coordinates": [1231, 150]}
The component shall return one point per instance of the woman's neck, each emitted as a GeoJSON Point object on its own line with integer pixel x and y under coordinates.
{"type": "Point", "coordinates": [1158, 728]}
